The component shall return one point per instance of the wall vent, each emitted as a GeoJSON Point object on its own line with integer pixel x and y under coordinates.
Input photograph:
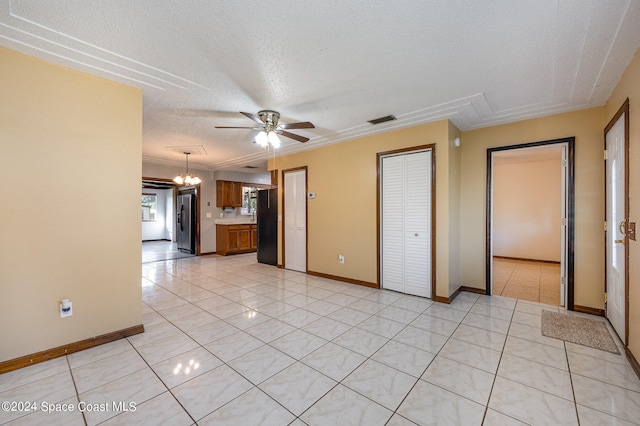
{"type": "Point", "coordinates": [250, 167]}
{"type": "Point", "coordinates": [382, 119]}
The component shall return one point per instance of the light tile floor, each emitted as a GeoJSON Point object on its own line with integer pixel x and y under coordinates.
{"type": "Point", "coordinates": [527, 280]}
{"type": "Point", "coordinates": [154, 251]}
{"type": "Point", "coordinates": [229, 341]}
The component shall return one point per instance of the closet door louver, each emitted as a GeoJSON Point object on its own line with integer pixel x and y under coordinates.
{"type": "Point", "coordinates": [406, 223]}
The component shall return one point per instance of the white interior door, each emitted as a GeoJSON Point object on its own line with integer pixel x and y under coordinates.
{"type": "Point", "coordinates": [406, 223]}
{"type": "Point", "coordinates": [564, 227]}
{"type": "Point", "coordinates": [616, 225]}
{"type": "Point", "coordinates": [295, 220]}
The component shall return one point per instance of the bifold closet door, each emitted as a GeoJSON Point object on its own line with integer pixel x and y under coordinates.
{"type": "Point", "coordinates": [406, 223]}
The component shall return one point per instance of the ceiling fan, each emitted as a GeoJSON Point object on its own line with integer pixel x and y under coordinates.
{"type": "Point", "coordinates": [269, 128]}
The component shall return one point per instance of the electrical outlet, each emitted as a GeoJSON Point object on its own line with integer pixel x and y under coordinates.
{"type": "Point", "coordinates": [66, 308]}
{"type": "Point", "coordinates": [341, 258]}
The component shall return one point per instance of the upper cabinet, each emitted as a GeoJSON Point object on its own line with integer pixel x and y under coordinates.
{"type": "Point", "coordinates": [228, 194]}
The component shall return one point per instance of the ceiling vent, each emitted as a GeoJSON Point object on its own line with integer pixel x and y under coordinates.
{"type": "Point", "coordinates": [250, 167]}
{"type": "Point", "coordinates": [382, 119]}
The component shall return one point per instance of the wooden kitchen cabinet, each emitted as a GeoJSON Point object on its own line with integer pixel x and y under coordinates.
{"type": "Point", "coordinates": [232, 239]}
{"type": "Point", "coordinates": [228, 194]}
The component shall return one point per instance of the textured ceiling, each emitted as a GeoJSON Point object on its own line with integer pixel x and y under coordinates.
{"type": "Point", "coordinates": [334, 63]}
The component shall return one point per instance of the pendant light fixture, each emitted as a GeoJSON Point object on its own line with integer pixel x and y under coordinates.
{"type": "Point", "coordinates": [187, 178]}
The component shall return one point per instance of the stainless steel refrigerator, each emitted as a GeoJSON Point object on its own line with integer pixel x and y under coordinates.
{"type": "Point", "coordinates": [267, 216]}
{"type": "Point", "coordinates": [185, 226]}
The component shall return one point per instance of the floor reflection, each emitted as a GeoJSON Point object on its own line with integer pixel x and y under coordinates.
{"type": "Point", "coordinates": [154, 251]}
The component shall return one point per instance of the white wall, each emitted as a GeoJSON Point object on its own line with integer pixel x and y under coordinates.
{"type": "Point", "coordinates": [170, 221]}
{"type": "Point", "coordinates": [527, 209]}
{"type": "Point", "coordinates": [159, 229]}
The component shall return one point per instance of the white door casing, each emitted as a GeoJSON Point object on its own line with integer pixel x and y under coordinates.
{"type": "Point", "coordinates": [564, 224]}
{"type": "Point", "coordinates": [406, 222]}
{"type": "Point", "coordinates": [295, 220]}
{"type": "Point", "coordinates": [565, 192]}
{"type": "Point", "coordinates": [615, 245]}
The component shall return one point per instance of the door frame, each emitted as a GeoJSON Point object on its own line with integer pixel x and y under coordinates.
{"type": "Point", "coordinates": [170, 184]}
{"type": "Point", "coordinates": [570, 197]}
{"type": "Point", "coordinates": [306, 214]}
{"type": "Point", "coordinates": [379, 157]}
{"type": "Point", "coordinates": [195, 190]}
{"type": "Point", "coordinates": [624, 109]}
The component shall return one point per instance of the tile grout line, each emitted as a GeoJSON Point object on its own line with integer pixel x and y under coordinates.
{"type": "Point", "coordinates": [389, 339]}
{"type": "Point", "coordinates": [431, 362]}
{"type": "Point", "coordinates": [495, 376]}
{"type": "Point", "coordinates": [163, 383]}
{"type": "Point", "coordinates": [265, 343]}
{"type": "Point", "coordinates": [573, 391]}
{"type": "Point", "coordinates": [66, 357]}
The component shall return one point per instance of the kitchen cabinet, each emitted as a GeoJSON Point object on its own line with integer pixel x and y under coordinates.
{"type": "Point", "coordinates": [232, 239]}
{"type": "Point", "coordinates": [228, 194]}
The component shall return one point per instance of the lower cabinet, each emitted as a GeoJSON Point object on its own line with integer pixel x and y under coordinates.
{"type": "Point", "coordinates": [232, 239]}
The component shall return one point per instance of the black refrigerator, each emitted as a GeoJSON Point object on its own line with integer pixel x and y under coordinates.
{"type": "Point", "coordinates": [267, 217]}
{"type": "Point", "coordinates": [185, 223]}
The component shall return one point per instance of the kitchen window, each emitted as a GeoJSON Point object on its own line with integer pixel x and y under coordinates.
{"type": "Point", "coordinates": [249, 200]}
{"type": "Point", "coordinates": [149, 207]}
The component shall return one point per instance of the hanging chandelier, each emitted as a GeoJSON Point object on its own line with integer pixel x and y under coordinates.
{"type": "Point", "coordinates": [187, 178]}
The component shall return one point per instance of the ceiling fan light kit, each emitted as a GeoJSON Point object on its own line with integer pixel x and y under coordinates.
{"type": "Point", "coordinates": [265, 138]}
{"type": "Point", "coordinates": [187, 178]}
{"type": "Point", "coordinates": [268, 128]}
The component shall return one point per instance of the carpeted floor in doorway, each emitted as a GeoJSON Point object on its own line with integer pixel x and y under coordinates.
{"type": "Point", "coordinates": [575, 329]}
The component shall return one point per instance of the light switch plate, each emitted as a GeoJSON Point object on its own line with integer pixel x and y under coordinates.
{"type": "Point", "coordinates": [631, 232]}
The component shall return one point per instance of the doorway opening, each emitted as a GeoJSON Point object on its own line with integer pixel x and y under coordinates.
{"type": "Point", "coordinates": [159, 230]}
{"type": "Point", "coordinates": [530, 221]}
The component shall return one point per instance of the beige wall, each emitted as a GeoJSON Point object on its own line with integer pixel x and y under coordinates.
{"type": "Point", "coordinates": [629, 87]}
{"type": "Point", "coordinates": [455, 205]}
{"type": "Point", "coordinates": [70, 209]}
{"type": "Point", "coordinates": [342, 219]}
{"type": "Point", "coordinates": [527, 209]}
{"type": "Point", "coordinates": [586, 126]}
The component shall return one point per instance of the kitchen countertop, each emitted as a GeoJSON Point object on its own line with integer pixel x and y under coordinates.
{"type": "Point", "coordinates": [235, 221]}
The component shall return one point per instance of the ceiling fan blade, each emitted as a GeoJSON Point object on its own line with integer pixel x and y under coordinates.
{"type": "Point", "coordinates": [301, 125]}
{"type": "Point", "coordinates": [233, 127]}
{"type": "Point", "coordinates": [294, 136]}
{"type": "Point", "coordinates": [252, 117]}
